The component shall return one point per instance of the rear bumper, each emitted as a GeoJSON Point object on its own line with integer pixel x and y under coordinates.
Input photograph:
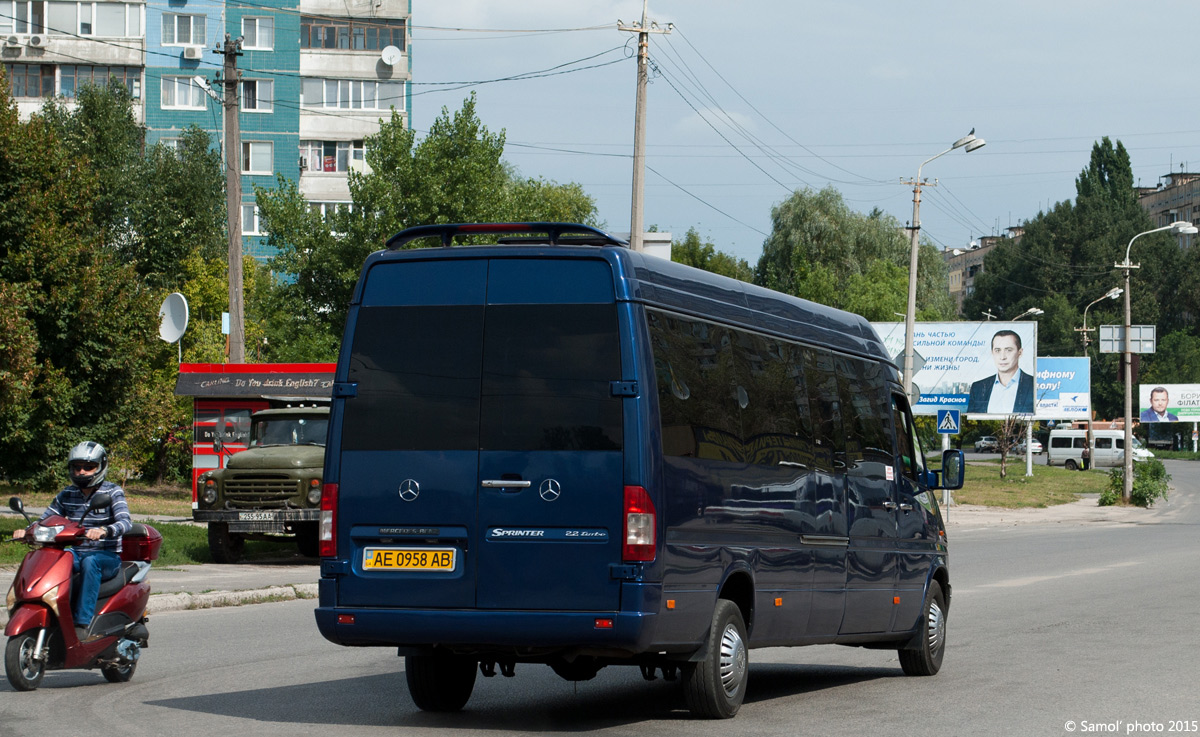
{"type": "Point", "coordinates": [489, 631]}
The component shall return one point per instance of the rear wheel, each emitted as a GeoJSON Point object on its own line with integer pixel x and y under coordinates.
{"type": "Point", "coordinates": [224, 546]}
{"type": "Point", "coordinates": [440, 682]}
{"type": "Point", "coordinates": [24, 673]}
{"type": "Point", "coordinates": [926, 658]}
{"type": "Point", "coordinates": [118, 673]}
{"type": "Point", "coordinates": [716, 686]}
{"type": "Point", "coordinates": [307, 539]}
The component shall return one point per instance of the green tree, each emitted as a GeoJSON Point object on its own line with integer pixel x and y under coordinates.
{"type": "Point", "coordinates": [78, 324]}
{"type": "Point", "coordinates": [821, 250]}
{"type": "Point", "coordinates": [704, 255]}
{"type": "Point", "coordinates": [456, 173]}
{"type": "Point", "coordinates": [1064, 260]}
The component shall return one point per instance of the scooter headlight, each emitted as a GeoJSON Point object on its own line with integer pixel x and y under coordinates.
{"type": "Point", "coordinates": [44, 534]}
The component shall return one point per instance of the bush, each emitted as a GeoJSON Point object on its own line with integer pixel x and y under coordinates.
{"type": "Point", "coordinates": [1150, 481]}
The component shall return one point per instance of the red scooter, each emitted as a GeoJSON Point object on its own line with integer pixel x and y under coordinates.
{"type": "Point", "coordinates": [40, 631]}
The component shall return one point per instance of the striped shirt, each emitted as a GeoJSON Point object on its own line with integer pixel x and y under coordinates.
{"type": "Point", "coordinates": [115, 520]}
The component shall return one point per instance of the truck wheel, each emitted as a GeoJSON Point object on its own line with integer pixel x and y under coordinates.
{"type": "Point", "coordinates": [224, 546]}
{"type": "Point", "coordinates": [24, 673]}
{"type": "Point", "coordinates": [1070, 464]}
{"type": "Point", "coordinates": [307, 539]}
{"type": "Point", "coordinates": [926, 658]}
{"type": "Point", "coordinates": [439, 682]}
{"type": "Point", "coordinates": [716, 686]}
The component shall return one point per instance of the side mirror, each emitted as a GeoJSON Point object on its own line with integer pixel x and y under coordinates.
{"type": "Point", "coordinates": [217, 445]}
{"type": "Point", "coordinates": [98, 500]}
{"type": "Point", "coordinates": [16, 505]}
{"type": "Point", "coordinates": [953, 469]}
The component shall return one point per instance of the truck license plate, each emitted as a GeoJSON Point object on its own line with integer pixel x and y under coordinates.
{"type": "Point", "coordinates": [409, 559]}
{"type": "Point", "coordinates": [255, 516]}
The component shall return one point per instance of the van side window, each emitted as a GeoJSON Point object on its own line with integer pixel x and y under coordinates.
{"type": "Point", "coordinates": [1104, 443]}
{"type": "Point", "coordinates": [1079, 442]}
{"type": "Point", "coordinates": [904, 437]}
{"type": "Point", "coordinates": [829, 442]}
{"type": "Point", "coordinates": [1060, 442]}
{"type": "Point", "coordinates": [864, 415]}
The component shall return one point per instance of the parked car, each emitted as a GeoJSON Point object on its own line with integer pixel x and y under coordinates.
{"type": "Point", "coordinates": [1108, 448]}
{"type": "Point", "coordinates": [987, 444]}
{"type": "Point", "coordinates": [1036, 447]}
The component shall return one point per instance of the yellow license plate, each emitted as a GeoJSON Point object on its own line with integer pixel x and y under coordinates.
{"type": "Point", "coordinates": [410, 559]}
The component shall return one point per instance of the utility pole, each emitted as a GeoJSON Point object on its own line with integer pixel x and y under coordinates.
{"type": "Point", "coordinates": [233, 197]}
{"type": "Point", "coordinates": [636, 226]}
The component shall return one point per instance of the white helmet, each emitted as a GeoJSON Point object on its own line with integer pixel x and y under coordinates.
{"type": "Point", "coordinates": [80, 464]}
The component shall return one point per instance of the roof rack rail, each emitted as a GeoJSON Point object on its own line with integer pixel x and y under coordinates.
{"type": "Point", "coordinates": [554, 234]}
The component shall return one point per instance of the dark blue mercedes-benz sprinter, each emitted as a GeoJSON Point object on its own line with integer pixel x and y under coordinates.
{"type": "Point", "coordinates": [553, 449]}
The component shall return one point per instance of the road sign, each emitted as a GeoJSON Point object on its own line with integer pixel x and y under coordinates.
{"type": "Point", "coordinates": [948, 422]}
{"type": "Point", "coordinates": [1141, 338]}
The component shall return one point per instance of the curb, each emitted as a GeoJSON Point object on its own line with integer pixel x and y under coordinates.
{"type": "Point", "coordinates": [212, 599]}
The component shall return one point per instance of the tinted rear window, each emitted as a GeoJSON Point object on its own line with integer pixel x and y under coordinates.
{"type": "Point", "coordinates": [547, 378]}
{"type": "Point", "coordinates": [418, 374]}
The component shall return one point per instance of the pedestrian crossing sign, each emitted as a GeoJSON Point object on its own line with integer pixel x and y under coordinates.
{"type": "Point", "coordinates": [947, 421]}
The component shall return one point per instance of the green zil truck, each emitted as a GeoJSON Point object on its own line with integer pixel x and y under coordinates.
{"type": "Point", "coordinates": [272, 488]}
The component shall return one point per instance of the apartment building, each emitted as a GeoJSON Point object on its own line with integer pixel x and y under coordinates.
{"type": "Point", "coordinates": [315, 77]}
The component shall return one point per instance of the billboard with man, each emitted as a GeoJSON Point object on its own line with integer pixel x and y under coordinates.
{"type": "Point", "coordinates": [985, 369]}
{"type": "Point", "coordinates": [1169, 402]}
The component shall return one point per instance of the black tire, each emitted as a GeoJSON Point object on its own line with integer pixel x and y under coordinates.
{"type": "Point", "coordinates": [926, 658]}
{"type": "Point", "coordinates": [716, 686]}
{"type": "Point", "coordinates": [118, 673]}
{"type": "Point", "coordinates": [24, 673]}
{"type": "Point", "coordinates": [224, 546]}
{"type": "Point", "coordinates": [1070, 464]}
{"type": "Point", "coordinates": [308, 539]}
{"type": "Point", "coordinates": [440, 682]}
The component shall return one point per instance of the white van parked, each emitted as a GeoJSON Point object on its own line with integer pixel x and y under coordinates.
{"type": "Point", "coordinates": [1066, 448]}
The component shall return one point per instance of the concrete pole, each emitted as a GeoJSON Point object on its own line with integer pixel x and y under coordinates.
{"type": "Point", "coordinates": [233, 200]}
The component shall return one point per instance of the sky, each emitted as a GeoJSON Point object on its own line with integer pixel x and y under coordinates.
{"type": "Point", "coordinates": [751, 101]}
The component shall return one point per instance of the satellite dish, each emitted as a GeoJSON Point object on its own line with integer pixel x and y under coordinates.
{"type": "Point", "coordinates": [174, 317]}
{"type": "Point", "coordinates": [390, 55]}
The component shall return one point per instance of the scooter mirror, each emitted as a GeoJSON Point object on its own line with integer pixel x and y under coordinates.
{"type": "Point", "coordinates": [14, 503]}
{"type": "Point", "coordinates": [98, 500]}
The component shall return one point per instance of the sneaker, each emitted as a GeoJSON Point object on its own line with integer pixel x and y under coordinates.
{"type": "Point", "coordinates": [81, 634]}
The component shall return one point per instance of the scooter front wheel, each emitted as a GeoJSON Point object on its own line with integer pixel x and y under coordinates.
{"type": "Point", "coordinates": [23, 670]}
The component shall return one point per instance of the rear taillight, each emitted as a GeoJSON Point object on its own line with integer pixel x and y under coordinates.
{"type": "Point", "coordinates": [640, 523]}
{"type": "Point", "coordinates": [327, 534]}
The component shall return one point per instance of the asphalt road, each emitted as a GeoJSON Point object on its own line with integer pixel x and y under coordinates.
{"type": "Point", "coordinates": [1052, 626]}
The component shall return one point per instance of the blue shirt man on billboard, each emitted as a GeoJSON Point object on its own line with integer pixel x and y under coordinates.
{"type": "Point", "coordinates": [1158, 407]}
{"type": "Point", "coordinates": [1009, 390]}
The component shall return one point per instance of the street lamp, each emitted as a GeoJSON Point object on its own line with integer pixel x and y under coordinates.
{"type": "Point", "coordinates": [1031, 312]}
{"type": "Point", "coordinates": [1179, 227]}
{"type": "Point", "coordinates": [1087, 339]}
{"type": "Point", "coordinates": [970, 143]}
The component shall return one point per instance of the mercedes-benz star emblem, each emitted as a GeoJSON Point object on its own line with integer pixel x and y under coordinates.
{"type": "Point", "coordinates": [409, 490]}
{"type": "Point", "coordinates": [550, 490]}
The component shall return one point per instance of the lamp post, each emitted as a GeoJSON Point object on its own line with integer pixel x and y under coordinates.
{"type": "Point", "coordinates": [970, 143]}
{"type": "Point", "coordinates": [1031, 312]}
{"type": "Point", "coordinates": [1087, 339]}
{"type": "Point", "coordinates": [1179, 227]}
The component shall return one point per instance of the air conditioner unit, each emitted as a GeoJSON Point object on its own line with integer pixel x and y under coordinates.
{"type": "Point", "coordinates": [38, 41]}
{"type": "Point", "coordinates": [195, 53]}
{"type": "Point", "coordinates": [12, 41]}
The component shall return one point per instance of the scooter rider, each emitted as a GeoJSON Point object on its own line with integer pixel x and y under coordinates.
{"type": "Point", "coordinates": [99, 555]}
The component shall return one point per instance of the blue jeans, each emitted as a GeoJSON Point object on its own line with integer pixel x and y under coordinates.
{"type": "Point", "coordinates": [97, 566]}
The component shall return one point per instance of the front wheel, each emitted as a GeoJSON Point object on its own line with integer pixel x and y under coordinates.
{"type": "Point", "coordinates": [440, 682]}
{"type": "Point", "coordinates": [1070, 465]}
{"type": "Point", "coordinates": [716, 686]}
{"type": "Point", "coordinates": [926, 658]}
{"type": "Point", "coordinates": [225, 546]}
{"type": "Point", "coordinates": [23, 671]}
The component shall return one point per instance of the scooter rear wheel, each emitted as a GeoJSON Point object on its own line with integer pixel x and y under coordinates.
{"type": "Point", "coordinates": [118, 673]}
{"type": "Point", "coordinates": [24, 673]}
